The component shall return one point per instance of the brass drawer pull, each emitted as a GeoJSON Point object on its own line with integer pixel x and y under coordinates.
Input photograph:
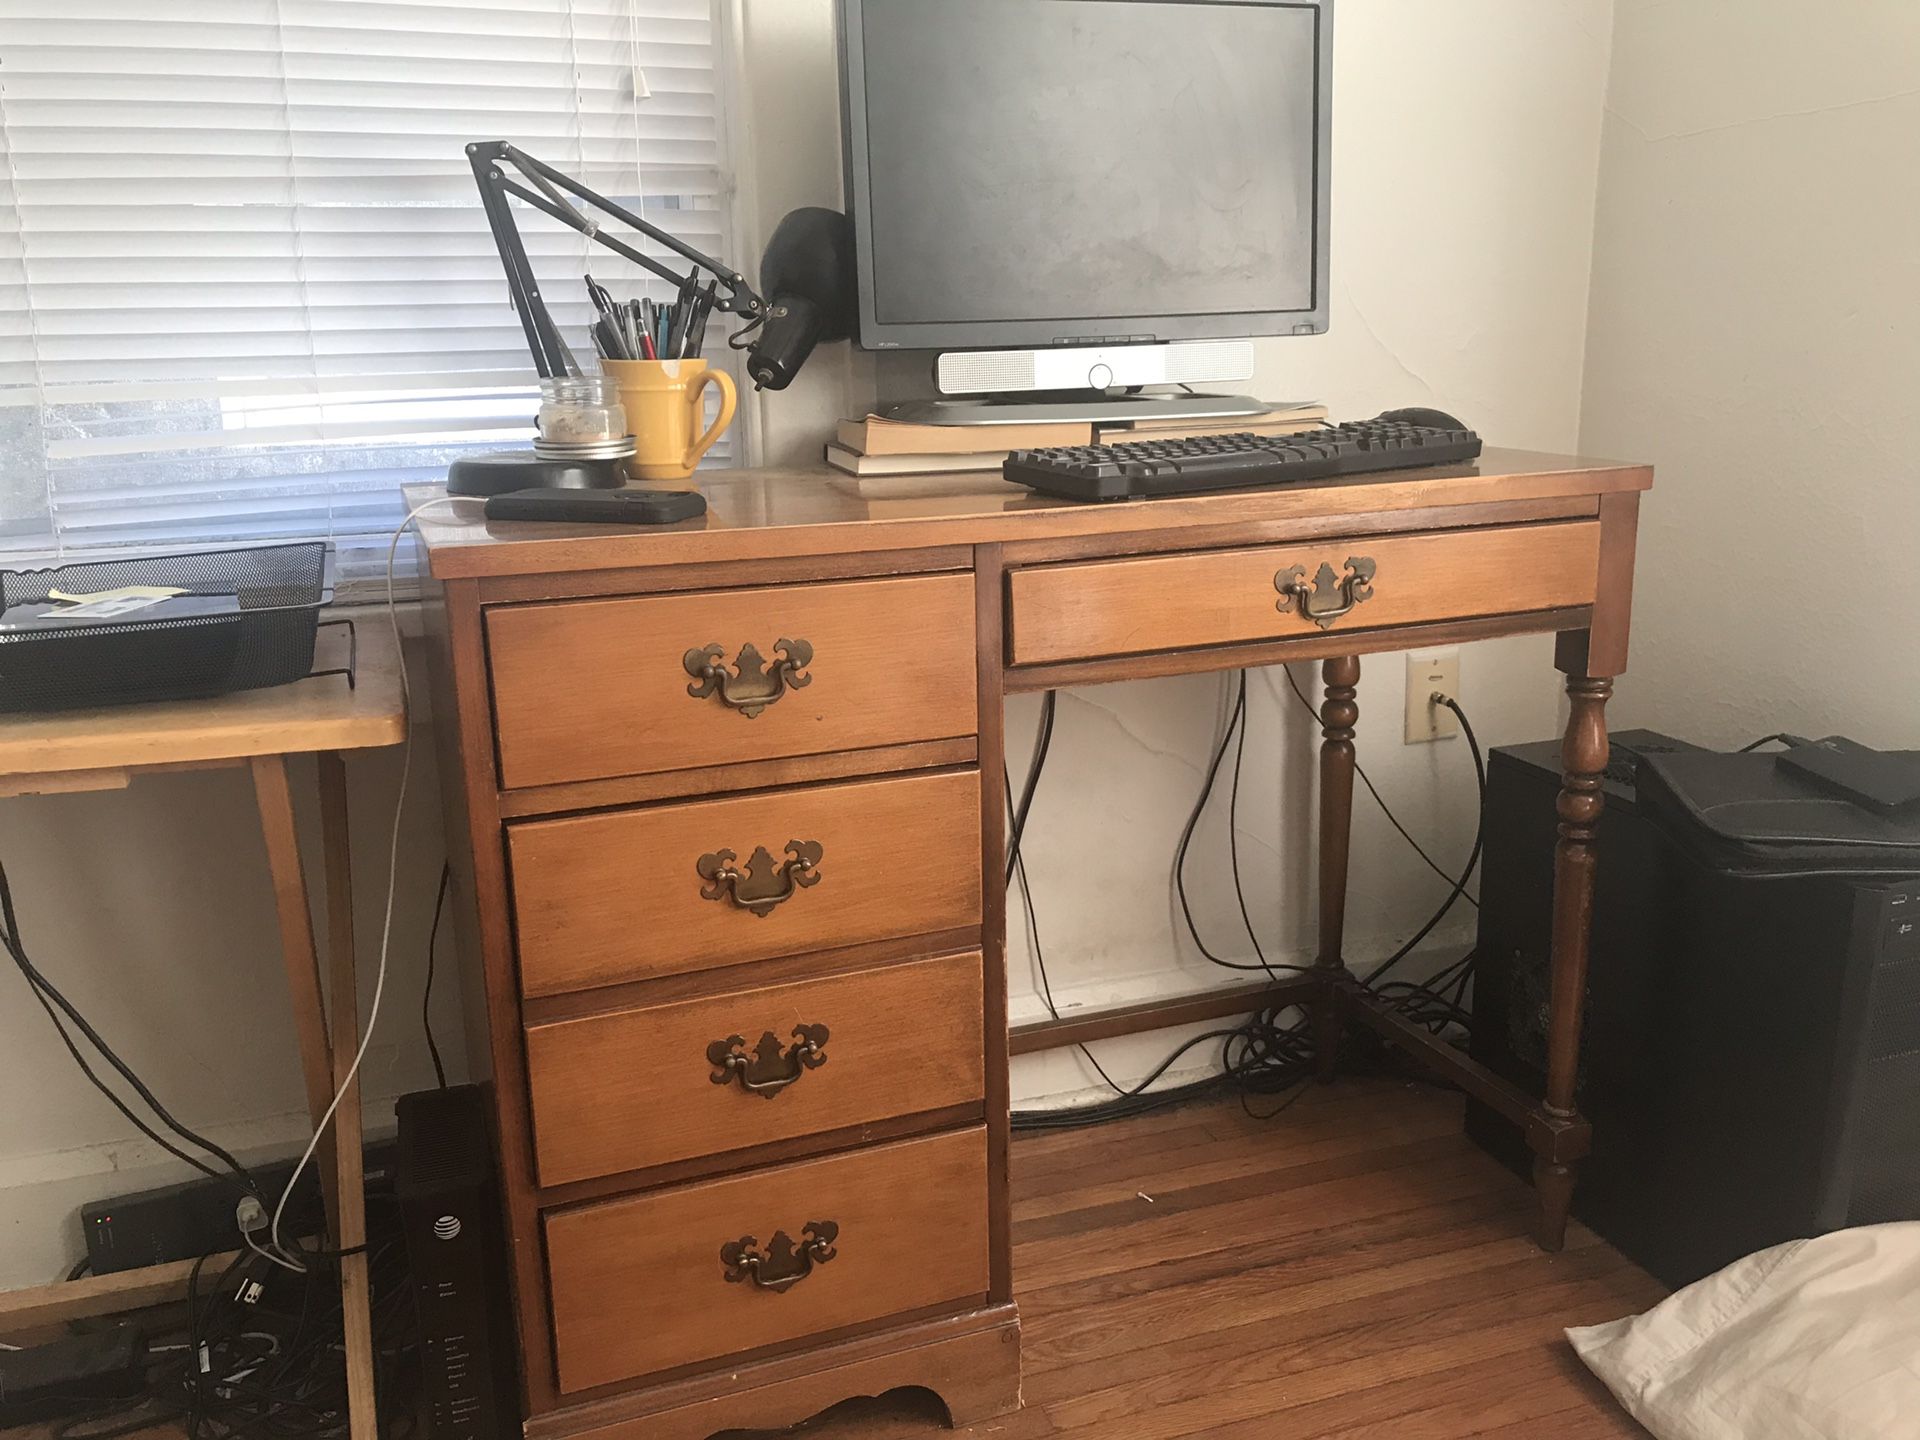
{"type": "Point", "coordinates": [754, 684]}
{"type": "Point", "coordinates": [768, 1071]}
{"type": "Point", "coordinates": [1329, 596]}
{"type": "Point", "coordinates": [763, 885]}
{"type": "Point", "coordinates": [783, 1264]}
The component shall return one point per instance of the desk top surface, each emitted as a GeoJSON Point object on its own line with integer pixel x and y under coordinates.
{"type": "Point", "coordinates": [319, 713]}
{"type": "Point", "coordinates": [782, 512]}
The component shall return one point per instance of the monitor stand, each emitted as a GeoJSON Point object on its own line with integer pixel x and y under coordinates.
{"type": "Point", "coordinates": [1071, 407]}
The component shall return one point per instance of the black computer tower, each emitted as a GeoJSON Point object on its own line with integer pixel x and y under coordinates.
{"type": "Point", "coordinates": [1751, 1061]}
{"type": "Point", "coordinates": [449, 1210]}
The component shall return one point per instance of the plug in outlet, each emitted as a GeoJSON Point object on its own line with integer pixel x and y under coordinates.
{"type": "Point", "coordinates": [1439, 670]}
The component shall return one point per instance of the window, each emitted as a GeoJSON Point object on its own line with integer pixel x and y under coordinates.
{"type": "Point", "coordinates": [246, 286]}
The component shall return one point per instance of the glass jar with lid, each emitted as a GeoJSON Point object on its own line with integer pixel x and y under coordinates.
{"type": "Point", "coordinates": [581, 410]}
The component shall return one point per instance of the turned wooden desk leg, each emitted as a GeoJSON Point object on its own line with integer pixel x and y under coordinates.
{"type": "Point", "coordinates": [1338, 715]}
{"type": "Point", "coordinates": [1583, 756]}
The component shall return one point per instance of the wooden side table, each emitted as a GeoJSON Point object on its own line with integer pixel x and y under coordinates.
{"type": "Point", "coordinates": [324, 716]}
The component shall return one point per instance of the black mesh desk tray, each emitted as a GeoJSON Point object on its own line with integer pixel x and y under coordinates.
{"type": "Point", "coordinates": [247, 619]}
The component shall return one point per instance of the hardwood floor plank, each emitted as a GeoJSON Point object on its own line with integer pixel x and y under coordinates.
{"type": "Point", "coordinates": [1158, 1175]}
{"type": "Point", "coordinates": [1432, 1172]}
{"type": "Point", "coordinates": [1263, 1368]}
{"type": "Point", "coordinates": [1442, 1289]}
{"type": "Point", "coordinates": [1352, 1268]}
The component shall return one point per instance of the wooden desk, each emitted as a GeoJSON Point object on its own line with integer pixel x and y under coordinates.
{"type": "Point", "coordinates": [725, 800]}
{"type": "Point", "coordinates": [79, 750]}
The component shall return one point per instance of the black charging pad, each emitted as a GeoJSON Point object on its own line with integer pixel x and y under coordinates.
{"type": "Point", "coordinates": [506, 470]}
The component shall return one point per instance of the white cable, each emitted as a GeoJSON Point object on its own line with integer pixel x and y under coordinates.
{"type": "Point", "coordinates": [291, 1259]}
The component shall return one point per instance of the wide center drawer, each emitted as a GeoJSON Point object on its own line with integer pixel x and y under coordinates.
{"type": "Point", "coordinates": [697, 1272]}
{"type": "Point", "coordinates": [585, 689]}
{"type": "Point", "coordinates": [690, 1078]}
{"type": "Point", "coordinates": [1083, 611]}
{"type": "Point", "coordinates": [631, 894]}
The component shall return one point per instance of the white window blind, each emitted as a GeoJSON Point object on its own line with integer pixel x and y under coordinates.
{"type": "Point", "coordinates": [246, 286]}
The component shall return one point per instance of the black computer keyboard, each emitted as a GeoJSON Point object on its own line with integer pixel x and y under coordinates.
{"type": "Point", "coordinates": [1232, 462]}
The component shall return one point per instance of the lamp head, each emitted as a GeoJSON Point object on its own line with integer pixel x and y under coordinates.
{"type": "Point", "coordinates": [807, 276]}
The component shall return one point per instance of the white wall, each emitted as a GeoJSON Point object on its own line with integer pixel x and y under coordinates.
{"type": "Point", "coordinates": [1467, 140]}
{"type": "Point", "coordinates": [1466, 145]}
{"type": "Point", "coordinates": [1756, 282]}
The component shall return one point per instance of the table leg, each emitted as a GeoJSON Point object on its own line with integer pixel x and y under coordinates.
{"type": "Point", "coordinates": [274, 796]}
{"type": "Point", "coordinates": [1338, 715]}
{"type": "Point", "coordinates": [356, 1296]}
{"type": "Point", "coordinates": [324, 1065]}
{"type": "Point", "coordinates": [1583, 757]}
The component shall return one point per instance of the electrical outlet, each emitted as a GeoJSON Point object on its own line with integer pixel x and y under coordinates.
{"type": "Point", "coordinates": [1438, 670]}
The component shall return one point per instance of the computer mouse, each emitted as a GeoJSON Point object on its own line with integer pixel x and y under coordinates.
{"type": "Point", "coordinates": [1420, 415]}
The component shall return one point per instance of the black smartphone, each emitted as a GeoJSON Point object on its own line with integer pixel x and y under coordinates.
{"type": "Point", "coordinates": [598, 507]}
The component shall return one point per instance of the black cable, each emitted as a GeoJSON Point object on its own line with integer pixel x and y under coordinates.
{"type": "Point", "coordinates": [1374, 791]}
{"type": "Point", "coordinates": [1270, 1059]}
{"type": "Point", "coordinates": [1033, 938]}
{"type": "Point", "coordinates": [1129, 1101]}
{"type": "Point", "coordinates": [1233, 829]}
{"type": "Point", "coordinates": [426, 996]}
{"type": "Point", "coordinates": [1473, 860]}
{"type": "Point", "coordinates": [1782, 736]}
{"type": "Point", "coordinates": [45, 991]}
{"type": "Point", "coordinates": [1236, 721]}
{"type": "Point", "coordinates": [223, 1383]}
{"type": "Point", "coordinates": [1018, 828]}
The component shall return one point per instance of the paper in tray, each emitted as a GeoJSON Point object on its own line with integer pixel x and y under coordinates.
{"type": "Point", "coordinates": [41, 616]}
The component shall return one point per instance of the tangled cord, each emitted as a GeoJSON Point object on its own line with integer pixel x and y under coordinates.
{"type": "Point", "coordinates": [1271, 1053]}
{"type": "Point", "coordinates": [259, 1354]}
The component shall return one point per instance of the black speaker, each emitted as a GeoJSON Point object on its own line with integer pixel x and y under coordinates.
{"type": "Point", "coordinates": [1751, 1060]}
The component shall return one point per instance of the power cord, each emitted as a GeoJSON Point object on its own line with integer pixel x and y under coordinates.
{"type": "Point", "coordinates": [56, 1004]}
{"type": "Point", "coordinates": [1791, 741]}
{"type": "Point", "coordinates": [1262, 1056]}
{"type": "Point", "coordinates": [1017, 866]}
{"type": "Point", "coordinates": [426, 994]}
{"type": "Point", "coordinates": [274, 1241]}
{"type": "Point", "coordinates": [1473, 859]}
{"type": "Point", "coordinates": [1236, 726]}
{"type": "Point", "coordinates": [50, 997]}
{"type": "Point", "coordinates": [1041, 745]}
{"type": "Point", "coordinates": [1373, 790]}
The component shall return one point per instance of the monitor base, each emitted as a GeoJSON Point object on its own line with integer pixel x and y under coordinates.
{"type": "Point", "coordinates": [1094, 408]}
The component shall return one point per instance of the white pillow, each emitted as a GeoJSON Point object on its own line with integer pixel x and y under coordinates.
{"type": "Point", "coordinates": [1814, 1340]}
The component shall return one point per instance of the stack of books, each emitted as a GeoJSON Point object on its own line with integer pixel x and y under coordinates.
{"type": "Point", "coordinates": [883, 454]}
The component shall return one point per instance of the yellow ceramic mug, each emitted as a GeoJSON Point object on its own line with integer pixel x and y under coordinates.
{"type": "Point", "coordinates": [665, 403]}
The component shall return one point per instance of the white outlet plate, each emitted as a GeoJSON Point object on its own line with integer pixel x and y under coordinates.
{"type": "Point", "coordinates": [1426, 673]}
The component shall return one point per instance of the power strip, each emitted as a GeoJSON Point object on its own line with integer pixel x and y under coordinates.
{"type": "Point", "coordinates": [186, 1221]}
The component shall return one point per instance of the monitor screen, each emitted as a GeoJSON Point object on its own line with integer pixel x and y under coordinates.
{"type": "Point", "coordinates": [1033, 171]}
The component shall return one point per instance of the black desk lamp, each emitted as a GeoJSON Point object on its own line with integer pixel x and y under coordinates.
{"type": "Point", "coordinates": [543, 189]}
{"type": "Point", "coordinates": [808, 263]}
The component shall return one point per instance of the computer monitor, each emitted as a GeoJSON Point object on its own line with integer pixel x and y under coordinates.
{"type": "Point", "coordinates": [1104, 174]}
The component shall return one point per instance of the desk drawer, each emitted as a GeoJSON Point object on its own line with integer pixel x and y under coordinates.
{"type": "Point", "coordinates": [1219, 597]}
{"type": "Point", "coordinates": [637, 1088]}
{"type": "Point", "coordinates": [631, 894]}
{"type": "Point", "coordinates": [585, 689]}
{"type": "Point", "coordinates": [657, 1280]}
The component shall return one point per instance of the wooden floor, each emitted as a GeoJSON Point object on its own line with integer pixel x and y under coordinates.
{"type": "Point", "coordinates": [1354, 1267]}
